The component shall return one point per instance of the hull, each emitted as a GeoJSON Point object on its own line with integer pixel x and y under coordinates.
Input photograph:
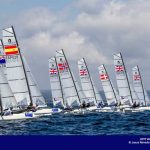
{"type": "Point", "coordinates": [77, 111]}
{"type": "Point", "coordinates": [92, 108]}
{"type": "Point", "coordinates": [47, 111]}
{"type": "Point", "coordinates": [24, 115]}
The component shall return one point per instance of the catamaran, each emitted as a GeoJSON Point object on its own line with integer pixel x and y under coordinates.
{"type": "Point", "coordinates": [17, 76]}
{"type": "Point", "coordinates": [56, 87]}
{"type": "Point", "coordinates": [112, 96]}
{"type": "Point", "coordinates": [128, 97]}
{"type": "Point", "coordinates": [139, 88]}
{"type": "Point", "coordinates": [89, 89]}
{"type": "Point", "coordinates": [8, 103]}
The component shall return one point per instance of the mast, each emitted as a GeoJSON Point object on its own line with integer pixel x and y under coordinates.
{"type": "Point", "coordinates": [1, 106]}
{"type": "Point", "coordinates": [90, 80]}
{"type": "Point", "coordinates": [110, 83]}
{"type": "Point", "coordinates": [127, 78]}
{"type": "Point", "coordinates": [142, 85]}
{"type": "Point", "coordinates": [23, 67]}
{"type": "Point", "coordinates": [60, 82]}
{"type": "Point", "coordinates": [72, 77]}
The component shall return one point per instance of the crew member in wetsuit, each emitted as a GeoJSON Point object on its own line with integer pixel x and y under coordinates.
{"type": "Point", "coordinates": [88, 105]}
{"type": "Point", "coordinates": [31, 107]}
{"type": "Point", "coordinates": [83, 105]}
{"type": "Point", "coordinates": [134, 105]}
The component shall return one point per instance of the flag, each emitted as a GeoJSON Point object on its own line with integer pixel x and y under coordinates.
{"type": "Point", "coordinates": [63, 66]}
{"type": "Point", "coordinates": [104, 76]}
{"type": "Point", "coordinates": [53, 71]}
{"type": "Point", "coordinates": [83, 72]}
{"type": "Point", "coordinates": [11, 49]}
{"type": "Point", "coordinates": [119, 68]}
{"type": "Point", "coordinates": [136, 77]}
{"type": "Point", "coordinates": [2, 60]}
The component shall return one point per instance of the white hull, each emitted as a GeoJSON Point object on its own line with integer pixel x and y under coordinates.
{"type": "Point", "coordinates": [47, 111]}
{"type": "Point", "coordinates": [77, 111]}
{"type": "Point", "coordinates": [92, 108]}
{"type": "Point", "coordinates": [19, 116]}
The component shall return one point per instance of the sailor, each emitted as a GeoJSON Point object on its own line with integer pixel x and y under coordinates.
{"type": "Point", "coordinates": [83, 105]}
{"type": "Point", "coordinates": [7, 112]}
{"type": "Point", "coordinates": [31, 107]}
{"type": "Point", "coordinates": [88, 105]}
{"type": "Point", "coordinates": [134, 105]}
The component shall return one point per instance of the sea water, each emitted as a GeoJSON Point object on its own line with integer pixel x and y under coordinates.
{"type": "Point", "coordinates": [86, 124]}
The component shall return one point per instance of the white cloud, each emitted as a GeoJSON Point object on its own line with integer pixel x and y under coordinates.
{"type": "Point", "coordinates": [99, 29]}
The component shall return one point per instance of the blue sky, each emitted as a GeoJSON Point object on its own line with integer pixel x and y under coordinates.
{"type": "Point", "coordinates": [93, 29]}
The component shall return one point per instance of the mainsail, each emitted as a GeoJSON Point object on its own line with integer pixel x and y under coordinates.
{"type": "Point", "coordinates": [87, 85]}
{"type": "Point", "coordinates": [80, 91]}
{"type": "Point", "coordinates": [122, 80]}
{"type": "Point", "coordinates": [16, 74]}
{"type": "Point", "coordinates": [139, 87]}
{"type": "Point", "coordinates": [109, 91]}
{"type": "Point", "coordinates": [71, 96]}
{"type": "Point", "coordinates": [7, 98]}
{"type": "Point", "coordinates": [37, 98]}
{"type": "Point", "coordinates": [55, 82]}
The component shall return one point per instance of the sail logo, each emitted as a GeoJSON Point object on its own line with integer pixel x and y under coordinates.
{"type": "Point", "coordinates": [83, 72]}
{"type": "Point", "coordinates": [53, 71]}
{"type": "Point", "coordinates": [119, 68]}
{"type": "Point", "coordinates": [63, 67]}
{"type": "Point", "coordinates": [104, 77]}
{"type": "Point", "coordinates": [136, 77]}
{"type": "Point", "coordinates": [2, 60]}
{"type": "Point", "coordinates": [11, 49]}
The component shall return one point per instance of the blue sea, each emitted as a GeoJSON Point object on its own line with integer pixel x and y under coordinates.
{"type": "Point", "coordinates": [87, 124]}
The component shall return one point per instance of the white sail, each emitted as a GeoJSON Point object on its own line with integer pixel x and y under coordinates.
{"type": "Point", "coordinates": [7, 98]}
{"type": "Point", "coordinates": [55, 83]}
{"type": "Point", "coordinates": [80, 91]}
{"type": "Point", "coordinates": [2, 58]}
{"type": "Point", "coordinates": [134, 95]}
{"type": "Point", "coordinates": [147, 98]}
{"type": "Point", "coordinates": [139, 87]}
{"type": "Point", "coordinates": [108, 88]}
{"type": "Point", "coordinates": [122, 80]}
{"type": "Point", "coordinates": [15, 71]}
{"type": "Point", "coordinates": [87, 84]}
{"type": "Point", "coordinates": [37, 98]}
{"type": "Point", "coordinates": [71, 97]}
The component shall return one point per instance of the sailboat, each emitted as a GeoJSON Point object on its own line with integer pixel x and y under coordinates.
{"type": "Point", "coordinates": [139, 88]}
{"type": "Point", "coordinates": [112, 97]}
{"type": "Point", "coordinates": [8, 103]}
{"type": "Point", "coordinates": [17, 76]}
{"type": "Point", "coordinates": [69, 88]}
{"type": "Point", "coordinates": [88, 87]}
{"type": "Point", "coordinates": [56, 87]}
{"type": "Point", "coordinates": [127, 94]}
